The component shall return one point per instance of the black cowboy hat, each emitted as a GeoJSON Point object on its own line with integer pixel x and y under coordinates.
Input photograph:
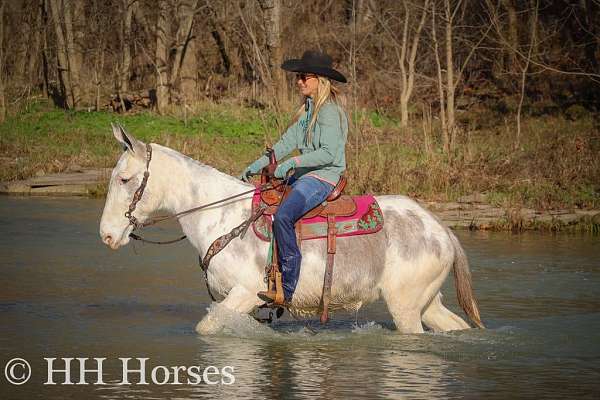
{"type": "Point", "coordinates": [314, 62]}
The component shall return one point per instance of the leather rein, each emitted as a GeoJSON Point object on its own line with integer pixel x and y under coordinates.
{"type": "Point", "coordinates": [137, 196]}
{"type": "Point", "coordinates": [219, 244]}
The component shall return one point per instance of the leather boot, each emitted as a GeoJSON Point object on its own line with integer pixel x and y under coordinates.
{"type": "Point", "coordinates": [272, 297]}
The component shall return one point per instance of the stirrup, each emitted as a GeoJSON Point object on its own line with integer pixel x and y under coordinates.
{"type": "Point", "coordinates": [272, 297]}
{"type": "Point", "coordinates": [274, 294]}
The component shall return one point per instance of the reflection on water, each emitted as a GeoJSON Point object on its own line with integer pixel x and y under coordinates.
{"type": "Point", "coordinates": [65, 295]}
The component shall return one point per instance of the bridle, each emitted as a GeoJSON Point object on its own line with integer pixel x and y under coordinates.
{"type": "Point", "coordinates": [219, 244]}
{"type": "Point", "coordinates": [137, 196]}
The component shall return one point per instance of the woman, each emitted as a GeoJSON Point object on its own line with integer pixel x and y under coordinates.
{"type": "Point", "coordinates": [319, 132]}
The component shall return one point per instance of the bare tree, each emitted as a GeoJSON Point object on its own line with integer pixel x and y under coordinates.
{"type": "Point", "coordinates": [440, 81]}
{"type": "Point", "coordinates": [272, 22]}
{"type": "Point", "coordinates": [449, 14]}
{"type": "Point", "coordinates": [61, 51]}
{"type": "Point", "coordinates": [512, 34]}
{"type": "Point", "coordinates": [97, 22]}
{"type": "Point", "coordinates": [189, 71]}
{"type": "Point", "coordinates": [525, 68]}
{"type": "Point", "coordinates": [448, 82]}
{"type": "Point", "coordinates": [34, 54]}
{"type": "Point", "coordinates": [127, 7]}
{"type": "Point", "coordinates": [23, 43]}
{"type": "Point", "coordinates": [43, 11]}
{"type": "Point", "coordinates": [2, 101]}
{"type": "Point", "coordinates": [406, 53]}
{"type": "Point", "coordinates": [73, 11]}
{"type": "Point", "coordinates": [161, 58]}
{"type": "Point", "coordinates": [185, 18]}
{"type": "Point", "coordinates": [239, 46]}
{"type": "Point", "coordinates": [217, 31]}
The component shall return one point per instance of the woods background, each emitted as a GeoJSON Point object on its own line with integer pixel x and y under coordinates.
{"type": "Point", "coordinates": [448, 71]}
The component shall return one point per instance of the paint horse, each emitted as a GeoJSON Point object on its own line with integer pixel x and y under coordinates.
{"type": "Point", "coordinates": [406, 262]}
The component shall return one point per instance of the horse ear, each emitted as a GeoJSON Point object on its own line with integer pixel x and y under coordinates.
{"type": "Point", "coordinates": [128, 141]}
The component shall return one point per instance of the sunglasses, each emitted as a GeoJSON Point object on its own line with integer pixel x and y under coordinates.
{"type": "Point", "coordinates": [303, 77]}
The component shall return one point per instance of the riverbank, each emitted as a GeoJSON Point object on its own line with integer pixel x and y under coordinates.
{"type": "Point", "coordinates": [552, 176]}
{"type": "Point", "coordinates": [468, 212]}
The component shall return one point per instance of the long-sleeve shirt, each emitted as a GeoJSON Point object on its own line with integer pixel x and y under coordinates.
{"type": "Point", "coordinates": [325, 156]}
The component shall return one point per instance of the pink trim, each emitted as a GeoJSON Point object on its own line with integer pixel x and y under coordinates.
{"type": "Point", "coordinates": [321, 179]}
{"type": "Point", "coordinates": [297, 160]}
{"type": "Point", "coordinates": [362, 206]}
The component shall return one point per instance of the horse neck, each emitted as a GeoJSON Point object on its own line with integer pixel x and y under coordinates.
{"type": "Point", "coordinates": [188, 184]}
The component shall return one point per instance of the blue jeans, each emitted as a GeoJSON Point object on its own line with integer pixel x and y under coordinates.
{"type": "Point", "coordinates": [307, 193]}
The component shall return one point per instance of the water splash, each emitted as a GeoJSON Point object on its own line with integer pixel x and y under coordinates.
{"type": "Point", "coordinates": [237, 324]}
{"type": "Point", "coordinates": [369, 327]}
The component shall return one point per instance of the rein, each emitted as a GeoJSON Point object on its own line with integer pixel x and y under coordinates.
{"type": "Point", "coordinates": [220, 243]}
{"type": "Point", "coordinates": [140, 191]}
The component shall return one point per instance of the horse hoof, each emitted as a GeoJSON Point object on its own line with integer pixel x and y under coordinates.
{"type": "Point", "coordinates": [279, 312]}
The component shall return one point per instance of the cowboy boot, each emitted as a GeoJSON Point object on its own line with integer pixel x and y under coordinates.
{"type": "Point", "coordinates": [274, 296]}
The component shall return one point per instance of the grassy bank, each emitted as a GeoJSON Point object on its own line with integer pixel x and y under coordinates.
{"type": "Point", "coordinates": [556, 165]}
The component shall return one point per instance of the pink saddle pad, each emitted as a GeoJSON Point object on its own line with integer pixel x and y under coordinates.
{"type": "Point", "coordinates": [367, 219]}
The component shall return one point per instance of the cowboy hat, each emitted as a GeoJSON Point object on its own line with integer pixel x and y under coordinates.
{"type": "Point", "coordinates": [314, 62]}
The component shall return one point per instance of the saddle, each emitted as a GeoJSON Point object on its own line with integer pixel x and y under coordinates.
{"type": "Point", "coordinates": [338, 215]}
{"type": "Point", "coordinates": [335, 205]}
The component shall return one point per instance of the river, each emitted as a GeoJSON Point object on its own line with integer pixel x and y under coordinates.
{"type": "Point", "coordinates": [66, 295]}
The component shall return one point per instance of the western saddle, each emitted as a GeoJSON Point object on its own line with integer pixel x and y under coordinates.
{"type": "Point", "coordinates": [336, 204]}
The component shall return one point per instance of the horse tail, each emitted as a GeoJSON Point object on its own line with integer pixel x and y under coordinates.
{"type": "Point", "coordinates": [463, 283]}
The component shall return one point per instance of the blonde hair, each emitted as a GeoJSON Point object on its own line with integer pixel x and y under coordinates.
{"type": "Point", "coordinates": [325, 92]}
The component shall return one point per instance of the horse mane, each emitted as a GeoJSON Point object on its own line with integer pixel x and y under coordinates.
{"type": "Point", "coordinates": [195, 164]}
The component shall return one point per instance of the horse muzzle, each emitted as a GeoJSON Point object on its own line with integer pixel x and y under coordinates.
{"type": "Point", "coordinates": [115, 241]}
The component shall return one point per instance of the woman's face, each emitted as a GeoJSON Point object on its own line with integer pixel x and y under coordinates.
{"type": "Point", "coordinates": [308, 84]}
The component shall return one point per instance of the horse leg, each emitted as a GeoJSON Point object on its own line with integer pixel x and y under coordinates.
{"type": "Point", "coordinates": [409, 287]}
{"type": "Point", "coordinates": [438, 318]}
{"type": "Point", "coordinates": [407, 319]}
{"type": "Point", "coordinates": [239, 300]}
{"type": "Point", "coordinates": [402, 306]}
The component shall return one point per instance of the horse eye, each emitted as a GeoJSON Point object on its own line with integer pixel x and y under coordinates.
{"type": "Point", "coordinates": [125, 180]}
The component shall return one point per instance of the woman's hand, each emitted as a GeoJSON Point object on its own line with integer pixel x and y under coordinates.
{"type": "Point", "coordinates": [283, 168]}
{"type": "Point", "coordinates": [253, 169]}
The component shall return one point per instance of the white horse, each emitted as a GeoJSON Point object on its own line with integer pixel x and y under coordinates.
{"type": "Point", "coordinates": [406, 262]}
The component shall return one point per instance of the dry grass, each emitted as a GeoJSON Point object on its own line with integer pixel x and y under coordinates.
{"type": "Point", "coordinates": [556, 166]}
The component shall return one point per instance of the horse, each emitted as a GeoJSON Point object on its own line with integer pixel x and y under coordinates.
{"type": "Point", "coordinates": [406, 262]}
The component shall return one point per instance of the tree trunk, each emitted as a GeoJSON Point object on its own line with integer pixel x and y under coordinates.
{"type": "Point", "coordinates": [2, 102]}
{"type": "Point", "coordinates": [591, 32]}
{"type": "Point", "coordinates": [185, 14]}
{"type": "Point", "coordinates": [408, 80]}
{"type": "Point", "coordinates": [403, 74]}
{"type": "Point", "coordinates": [450, 88]}
{"type": "Point", "coordinates": [23, 43]}
{"type": "Point", "coordinates": [124, 71]}
{"type": "Point", "coordinates": [161, 58]}
{"type": "Point", "coordinates": [45, 69]}
{"type": "Point", "coordinates": [79, 26]}
{"type": "Point", "coordinates": [440, 81]}
{"type": "Point", "coordinates": [98, 68]}
{"type": "Point", "coordinates": [97, 26]}
{"type": "Point", "coordinates": [512, 36]}
{"type": "Point", "coordinates": [72, 12]}
{"type": "Point", "coordinates": [189, 72]}
{"type": "Point", "coordinates": [272, 21]}
{"type": "Point", "coordinates": [61, 52]}
{"type": "Point", "coordinates": [218, 37]}
{"type": "Point", "coordinates": [32, 64]}
{"type": "Point", "coordinates": [532, 45]}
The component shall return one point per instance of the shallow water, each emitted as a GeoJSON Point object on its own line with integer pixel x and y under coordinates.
{"type": "Point", "coordinates": [64, 294]}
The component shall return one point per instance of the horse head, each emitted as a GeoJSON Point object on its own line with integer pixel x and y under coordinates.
{"type": "Point", "coordinates": [126, 179]}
